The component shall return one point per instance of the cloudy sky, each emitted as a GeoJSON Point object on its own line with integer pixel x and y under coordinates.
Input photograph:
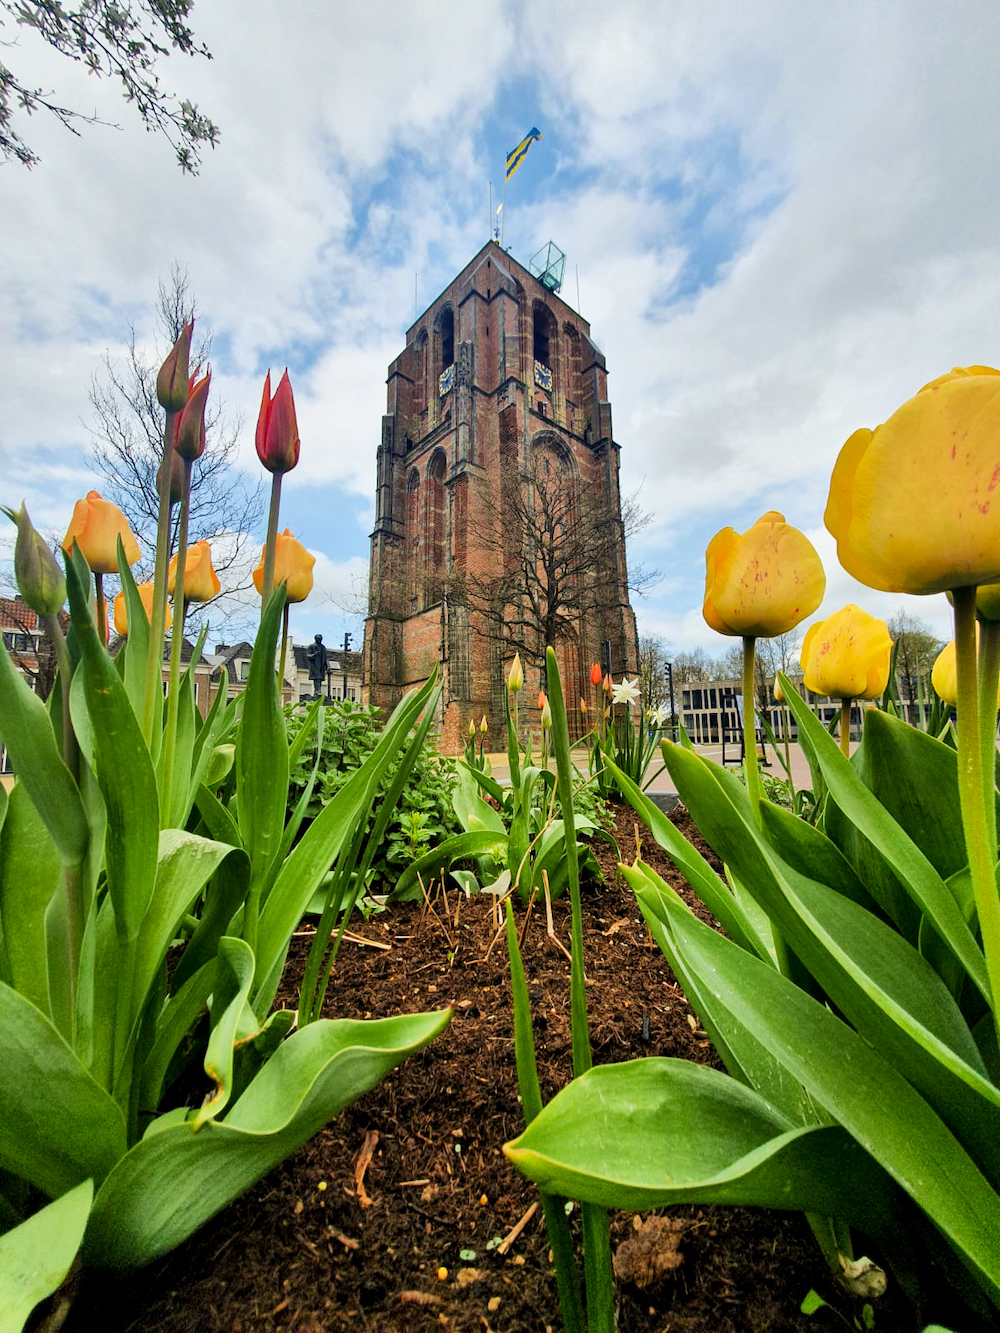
{"type": "Point", "coordinates": [782, 218]}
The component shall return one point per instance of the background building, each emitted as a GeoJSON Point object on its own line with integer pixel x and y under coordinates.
{"type": "Point", "coordinates": [498, 512]}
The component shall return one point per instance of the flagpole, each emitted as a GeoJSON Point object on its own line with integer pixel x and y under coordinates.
{"type": "Point", "coordinates": [503, 206]}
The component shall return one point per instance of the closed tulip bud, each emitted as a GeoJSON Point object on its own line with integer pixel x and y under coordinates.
{"type": "Point", "coordinates": [847, 655]}
{"type": "Point", "coordinates": [172, 381]}
{"type": "Point", "coordinates": [778, 692]}
{"type": "Point", "coordinates": [482, 726]}
{"type": "Point", "coordinates": [472, 730]}
{"type": "Point", "coordinates": [201, 583]}
{"type": "Point", "coordinates": [189, 440]}
{"type": "Point", "coordinates": [541, 699]}
{"type": "Point", "coordinates": [293, 566]}
{"type": "Point", "coordinates": [546, 714]}
{"type": "Point", "coordinates": [145, 591]}
{"type": "Point", "coordinates": [608, 684]}
{"type": "Point", "coordinates": [277, 429]}
{"type": "Point", "coordinates": [175, 466]}
{"type": "Point", "coordinates": [944, 675]}
{"type": "Point", "coordinates": [583, 705]}
{"type": "Point", "coordinates": [96, 526]}
{"type": "Point", "coordinates": [761, 582]}
{"type": "Point", "coordinates": [987, 601]}
{"type": "Point", "coordinates": [595, 674]}
{"type": "Point", "coordinates": [40, 581]}
{"type": "Point", "coordinates": [911, 503]}
{"type": "Point", "coordinates": [515, 677]}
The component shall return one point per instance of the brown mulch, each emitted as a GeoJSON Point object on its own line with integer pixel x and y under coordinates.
{"type": "Point", "coordinates": [409, 1241]}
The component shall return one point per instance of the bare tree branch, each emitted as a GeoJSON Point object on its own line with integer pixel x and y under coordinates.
{"type": "Point", "coordinates": [119, 39]}
{"type": "Point", "coordinates": [127, 438]}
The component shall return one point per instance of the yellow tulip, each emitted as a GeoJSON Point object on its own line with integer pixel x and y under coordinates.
{"type": "Point", "coordinates": [847, 655]}
{"type": "Point", "coordinates": [515, 678]}
{"type": "Point", "coordinates": [293, 566]}
{"type": "Point", "coordinates": [96, 526]}
{"type": "Point", "coordinates": [201, 583]}
{"type": "Point", "coordinates": [145, 591]}
{"type": "Point", "coordinates": [762, 582]}
{"type": "Point", "coordinates": [910, 503]}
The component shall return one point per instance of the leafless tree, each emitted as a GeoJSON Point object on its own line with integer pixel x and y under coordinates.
{"type": "Point", "coordinates": [118, 39]}
{"type": "Point", "coordinates": [654, 654]}
{"type": "Point", "coordinates": [554, 556]}
{"type": "Point", "coordinates": [916, 649]}
{"type": "Point", "coordinates": [127, 437]}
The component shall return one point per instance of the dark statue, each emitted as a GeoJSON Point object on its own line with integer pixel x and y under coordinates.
{"type": "Point", "coordinates": [318, 659]}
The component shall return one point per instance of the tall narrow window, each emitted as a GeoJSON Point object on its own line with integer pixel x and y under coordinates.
{"type": "Point", "coordinates": [447, 338]}
{"type": "Point", "coordinates": [434, 528]}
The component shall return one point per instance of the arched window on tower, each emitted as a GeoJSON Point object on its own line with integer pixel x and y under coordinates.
{"type": "Point", "coordinates": [545, 350]}
{"type": "Point", "coordinates": [447, 338]}
{"type": "Point", "coordinates": [419, 383]}
{"type": "Point", "coordinates": [434, 528]}
{"type": "Point", "coordinates": [413, 534]}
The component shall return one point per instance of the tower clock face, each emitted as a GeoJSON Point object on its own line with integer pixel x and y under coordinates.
{"type": "Point", "coordinates": [543, 377]}
{"type": "Point", "coordinates": [446, 380]}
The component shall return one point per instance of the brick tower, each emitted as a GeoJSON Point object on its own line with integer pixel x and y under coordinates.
{"type": "Point", "coordinates": [498, 514]}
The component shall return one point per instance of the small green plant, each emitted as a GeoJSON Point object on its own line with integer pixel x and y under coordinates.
{"type": "Point", "coordinates": [351, 731]}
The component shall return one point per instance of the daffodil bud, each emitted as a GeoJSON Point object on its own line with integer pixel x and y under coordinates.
{"type": "Point", "coordinates": [172, 381]}
{"type": "Point", "coordinates": [515, 678]}
{"type": "Point", "coordinates": [40, 581]}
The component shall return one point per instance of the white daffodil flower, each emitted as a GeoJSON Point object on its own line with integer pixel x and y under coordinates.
{"type": "Point", "coordinates": [627, 692]}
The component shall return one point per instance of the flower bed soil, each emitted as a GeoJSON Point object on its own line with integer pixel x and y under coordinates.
{"type": "Point", "coordinates": [356, 1230]}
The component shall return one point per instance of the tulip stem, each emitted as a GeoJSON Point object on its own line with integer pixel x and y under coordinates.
{"type": "Point", "coordinates": [284, 650]}
{"type": "Point", "coordinates": [158, 612]}
{"type": "Point", "coordinates": [102, 608]}
{"type": "Point", "coordinates": [267, 580]}
{"type": "Point", "coordinates": [845, 727]}
{"type": "Point", "coordinates": [989, 679]}
{"type": "Point", "coordinates": [982, 855]}
{"type": "Point", "coordinates": [168, 813]}
{"type": "Point", "coordinates": [750, 766]}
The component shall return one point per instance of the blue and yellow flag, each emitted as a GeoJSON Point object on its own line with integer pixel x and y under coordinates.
{"type": "Point", "coordinates": [516, 155]}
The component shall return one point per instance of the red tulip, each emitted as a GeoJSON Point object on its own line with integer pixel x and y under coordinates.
{"type": "Point", "coordinates": [595, 674]}
{"type": "Point", "coordinates": [277, 430]}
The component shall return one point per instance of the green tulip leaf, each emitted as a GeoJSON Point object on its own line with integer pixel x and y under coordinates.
{"type": "Point", "coordinates": [124, 772]}
{"type": "Point", "coordinates": [36, 1256]}
{"type": "Point", "coordinates": [743, 1055]}
{"type": "Point", "coordinates": [262, 750]}
{"type": "Point", "coordinates": [914, 871]}
{"type": "Point", "coordinates": [234, 978]}
{"type": "Point", "coordinates": [30, 873]}
{"type": "Point", "coordinates": [175, 1179]}
{"type": "Point", "coordinates": [859, 1088]}
{"type": "Point", "coordinates": [655, 1132]}
{"type": "Point", "coordinates": [27, 735]}
{"type": "Point", "coordinates": [57, 1126]}
{"type": "Point", "coordinates": [699, 874]}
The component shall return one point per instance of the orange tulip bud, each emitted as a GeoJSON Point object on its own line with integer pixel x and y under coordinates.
{"type": "Point", "coordinates": [96, 526]}
{"type": "Point", "coordinates": [145, 591]}
{"type": "Point", "coordinates": [293, 566]}
{"type": "Point", "coordinates": [201, 583]}
{"type": "Point", "coordinates": [583, 706]}
{"type": "Point", "coordinates": [595, 674]}
{"type": "Point", "coordinates": [189, 440]}
{"type": "Point", "coordinates": [541, 699]}
{"type": "Point", "coordinates": [175, 465]}
{"type": "Point", "coordinates": [277, 429]}
{"type": "Point", "coordinates": [172, 381]}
